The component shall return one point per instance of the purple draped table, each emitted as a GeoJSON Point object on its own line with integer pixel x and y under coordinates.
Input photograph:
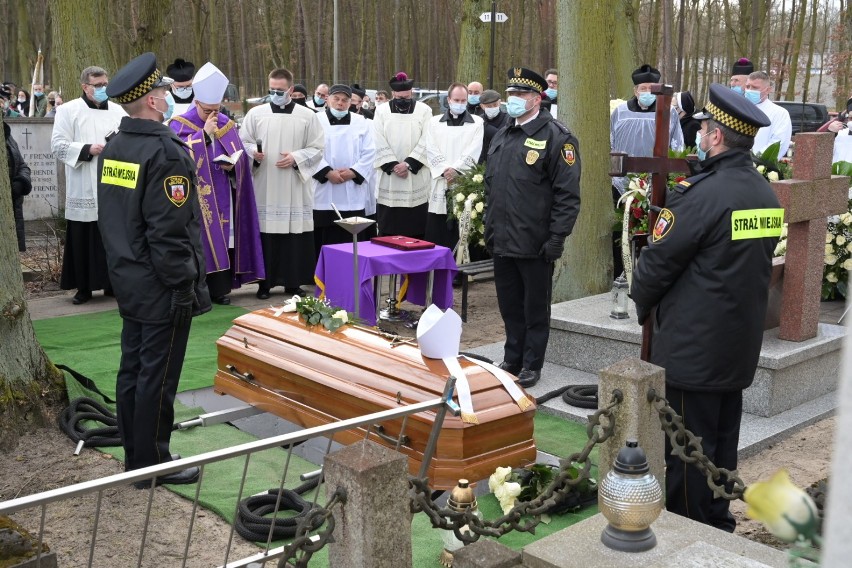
{"type": "Point", "coordinates": [333, 275]}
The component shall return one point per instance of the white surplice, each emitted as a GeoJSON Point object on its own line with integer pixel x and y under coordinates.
{"type": "Point", "coordinates": [401, 136]}
{"type": "Point", "coordinates": [75, 125]}
{"type": "Point", "coordinates": [346, 146]}
{"type": "Point", "coordinates": [456, 147]}
{"type": "Point", "coordinates": [285, 196]}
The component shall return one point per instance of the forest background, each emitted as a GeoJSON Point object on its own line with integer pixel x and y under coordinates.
{"type": "Point", "coordinates": [805, 44]}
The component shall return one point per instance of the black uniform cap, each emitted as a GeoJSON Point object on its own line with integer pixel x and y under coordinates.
{"type": "Point", "coordinates": [523, 79]}
{"type": "Point", "coordinates": [732, 110]}
{"type": "Point", "coordinates": [357, 90]}
{"type": "Point", "coordinates": [181, 70]}
{"type": "Point", "coordinates": [139, 77]}
{"type": "Point", "coordinates": [337, 88]}
{"type": "Point", "coordinates": [646, 74]}
{"type": "Point", "coordinates": [742, 67]}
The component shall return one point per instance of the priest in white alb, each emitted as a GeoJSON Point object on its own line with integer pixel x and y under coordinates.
{"type": "Point", "coordinates": [455, 142]}
{"type": "Point", "coordinates": [79, 135]}
{"type": "Point", "coordinates": [286, 142]}
{"type": "Point", "coordinates": [402, 130]}
{"type": "Point", "coordinates": [346, 174]}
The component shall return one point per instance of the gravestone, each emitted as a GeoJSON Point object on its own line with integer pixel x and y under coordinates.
{"type": "Point", "coordinates": [48, 177]}
{"type": "Point", "coordinates": [812, 195]}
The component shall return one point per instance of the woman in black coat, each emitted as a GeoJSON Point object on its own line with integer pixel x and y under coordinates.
{"type": "Point", "coordinates": [19, 179]}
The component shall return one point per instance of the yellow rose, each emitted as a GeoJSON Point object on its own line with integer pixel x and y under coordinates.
{"type": "Point", "coordinates": [831, 277]}
{"type": "Point", "coordinates": [477, 178]}
{"type": "Point", "coordinates": [829, 249]}
{"type": "Point", "coordinates": [840, 240]}
{"type": "Point", "coordinates": [773, 176]}
{"type": "Point", "coordinates": [482, 242]}
{"type": "Point", "coordinates": [829, 237]}
{"type": "Point", "coordinates": [846, 218]}
{"type": "Point", "coordinates": [849, 247]}
{"type": "Point", "coordinates": [479, 207]}
{"type": "Point", "coordinates": [830, 259]}
{"type": "Point", "coordinates": [783, 508]}
{"type": "Point", "coordinates": [459, 197]}
{"type": "Point", "coordinates": [761, 168]}
{"type": "Point", "coordinates": [847, 264]}
{"type": "Point", "coordinates": [341, 315]}
{"type": "Point", "coordinates": [472, 197]}
{"type": "Point", "coordinates": [473, 214]}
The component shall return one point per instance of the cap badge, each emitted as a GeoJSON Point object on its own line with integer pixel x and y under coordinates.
{"type": "Point", "coordinates": [517, 71]}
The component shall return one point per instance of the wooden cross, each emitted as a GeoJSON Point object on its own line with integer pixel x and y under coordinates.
{"type": "Point", "coordinates": [812, 195]}
{"type": "Point", "coordinates": [659, 166]}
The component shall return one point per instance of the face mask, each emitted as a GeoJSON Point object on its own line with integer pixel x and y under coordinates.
{"type": "Point", "coordinates": [646, 99]}
{"type": "Point", "coordinates": [365, 105]}
{"type": "Point", "coordinates": [753, 96]}
{"type": "Point", "coordinates": [491, 112]}
{"type": "Point", "coordinates": [738, 90]}
{"type": "Point", "coordinates": [403, 104]}
{"type": "Point", "coordinates": [473, 99]}
{"type": "Point", "coordinates": [280, 100]}
{"type": "Point", "coordinates": [183, 92]}
{"type": "Point", "coordinates": [551, 93]}
{"type": "Point", "coordinates": [300, 101]}
{"type": "Point", "coordinates": [170, 106]}
{"type": "Point", "coordinates": [99, 94]}
{"type": "Point", "coordinates": [702, 155]}
{"type": "Point", "coordinates": [22, 99]}
{"type": "Point", "coordinates": [318, 101]}
{"type": "Point", "coordinates": [38, 93]}
{"type": "Point", "coordinates": [338, 114]}
{"type": "Point", "coordinates": [516, 106]}
{"type": "Point", "coordinates": [457, 108]}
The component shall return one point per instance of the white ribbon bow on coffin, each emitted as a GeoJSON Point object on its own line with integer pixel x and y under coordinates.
{"type": "Point", "coordinates": [439, 336]}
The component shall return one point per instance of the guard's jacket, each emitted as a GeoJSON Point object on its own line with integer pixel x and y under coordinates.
{"type": "Point", "coordinates": [706, 269]}
{"type": "Point", "coordinates": [149, 218]}
{"type": "Point", "coordinates": [532, 186]}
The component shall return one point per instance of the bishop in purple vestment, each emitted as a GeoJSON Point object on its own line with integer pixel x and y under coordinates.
{"type": "Point", "coordinates": [230, 229]}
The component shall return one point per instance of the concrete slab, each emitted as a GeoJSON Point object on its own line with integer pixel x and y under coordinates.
{"type": "Point", "coordinates": [680, 543]}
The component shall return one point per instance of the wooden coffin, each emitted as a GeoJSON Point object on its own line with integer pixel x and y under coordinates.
{"type": "Point", "coordinates": [311, 377]}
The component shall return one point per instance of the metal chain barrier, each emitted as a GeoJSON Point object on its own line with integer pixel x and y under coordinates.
{"type": "Point", "coordinates": [600, 428]}
{"type": "Point", "coordinates": [304, 544]}
{"type": "Point", "coordinates": [687, 447]}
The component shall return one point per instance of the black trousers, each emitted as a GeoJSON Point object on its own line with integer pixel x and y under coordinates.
{"type": "Point", "coordinates": [715, 418]}
{"type": "Point", "coordinates": [524, 289]}
{"type": "Point", "coordinates": [151, 361]}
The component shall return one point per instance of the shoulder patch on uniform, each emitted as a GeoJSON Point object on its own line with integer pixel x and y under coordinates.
{"type": "Point", "coordinates": [664, 224]}
{"type": "Point", "coordinates": [684, 185]}
{"type": "Point", "coordinates": [562, 128]}
{"type": "Point", "coordinates": [177, 189]}
{"type": "Point", "coordinates": [569, 154]}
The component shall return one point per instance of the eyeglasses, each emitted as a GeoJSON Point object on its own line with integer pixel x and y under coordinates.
{"type": "Point", "coordinates": [278, 92]}
{"type": "Point", "coordinates": [98, 85]}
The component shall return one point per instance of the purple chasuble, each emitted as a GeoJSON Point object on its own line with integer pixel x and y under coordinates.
{"type": "Point", "coordinates": [215, 196]}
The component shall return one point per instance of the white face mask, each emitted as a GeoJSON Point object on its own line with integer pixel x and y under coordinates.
{"type": "Point", "coordinates": [491, 112]}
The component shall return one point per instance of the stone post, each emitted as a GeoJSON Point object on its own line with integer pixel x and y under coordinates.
{"type": "Point", "coordinates": [635, 417]}
{"type": "Point", "coordinates": [374, 526]}
{"type": "Point", "coordinates": [486, 553]}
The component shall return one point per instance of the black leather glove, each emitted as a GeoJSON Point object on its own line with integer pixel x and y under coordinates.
{"type": "Point", "coordinates": [642, 313]}
{"type": "Point", "coordinates": [182, 302]}
{"type": "Point", "coordinates": [553, 248]}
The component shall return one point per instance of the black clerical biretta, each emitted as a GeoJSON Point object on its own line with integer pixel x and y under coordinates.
{"type": "Point", "coordinates": [401, 82]}
{"type": "Point", "coordinates": [139, 77]}
{"type": "Point", "coordinates": [523, 79]}
{"type": "Point", "coordinates": [732, 110]}
{"type": "Point", "coordinates": [646, 74]}
{"type": "Point", "coordinates": [742, 67]}
{"type": "Point", "coordinates": [357, 90]}
{"type": "Point", "coordinates": [337, 88]}
{"type": "Point", "coordinates": [181, 70]}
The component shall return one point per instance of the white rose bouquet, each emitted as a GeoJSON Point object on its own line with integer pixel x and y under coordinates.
{"type": "Point", "coordinates": [466, 203]}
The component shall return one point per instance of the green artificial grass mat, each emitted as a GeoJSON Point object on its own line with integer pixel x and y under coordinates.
{"type": "Point", "coordinates": [91, 344]}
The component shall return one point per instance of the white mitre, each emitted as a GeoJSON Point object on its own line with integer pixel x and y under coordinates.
{"type": "Point", "coordinates": [439, 333]}
{"type": "Point", "coordinates": [209, 84]}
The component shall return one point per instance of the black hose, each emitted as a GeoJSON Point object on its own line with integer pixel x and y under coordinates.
{"type": "Point", "coordinates": [580, 396]}
{"type": "Point", "coordinates": [251, 521]}
{"type": "Point", "coordinates": [85, 408]}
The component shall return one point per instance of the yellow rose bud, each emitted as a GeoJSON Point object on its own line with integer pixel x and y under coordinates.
{"type": "Point", "coordinates": [773, 176]}
{"type": "Point", "coordinates": [783, 508]}
{"type": "Point", "coordinates": [480, 206]}
{"type": "Point", "coordinates": [831, 277]}
{"type": "Point", "coordinates": [840, 240]}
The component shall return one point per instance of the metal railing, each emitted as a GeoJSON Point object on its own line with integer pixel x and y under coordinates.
{"type": "Point", "coordinates": [98, 486]}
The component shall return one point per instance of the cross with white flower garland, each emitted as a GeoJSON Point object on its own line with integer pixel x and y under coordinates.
{"type": "Point", "coordinates": [808, 199]}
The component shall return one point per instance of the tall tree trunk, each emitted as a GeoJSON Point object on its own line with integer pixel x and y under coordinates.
{"type": "Point", "coordinates": [31, 388]}
{"type": "Point", "coordinates": [826, 32]}
{"type": "Point", "coordinates": [807, 80]}
{"type": "Point", "coordinates": [681, 31]}
{"type": "Point", "coordinates": [26, 52]}
{"type": "Point", "coordinates": [797, 48]}
{"type": "Point", "coordinates": [472, 64]}
{"type": "Point", "coordinates": [624, 49]}
{"type": "Point", "coordinates": [79, 35]}
{"type": "Point", "coordinates": [149, 25]}
{"type": "Point", "coordinates": [787, 41]}
{"type": "Point", "coordinates": [584, 28]}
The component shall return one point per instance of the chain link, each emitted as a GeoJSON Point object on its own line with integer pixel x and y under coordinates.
{"type": "Point", "coordinates": [687, 447]}
{"type": "Point", "coordinates": [304, 545]}
{"type": "Point", "coordinates": [600, 428]}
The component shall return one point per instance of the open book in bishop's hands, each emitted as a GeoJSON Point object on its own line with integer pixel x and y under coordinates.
{"type": "Point", "coordinates": [226, 159]}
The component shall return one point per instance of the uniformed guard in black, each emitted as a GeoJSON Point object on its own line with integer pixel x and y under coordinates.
{"type": "Point", "coordinates": [704, 279]}
{"type": "Point", "coordinates": [532, 187]}
{"type": "Point", "coordinates": [149, 216]}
